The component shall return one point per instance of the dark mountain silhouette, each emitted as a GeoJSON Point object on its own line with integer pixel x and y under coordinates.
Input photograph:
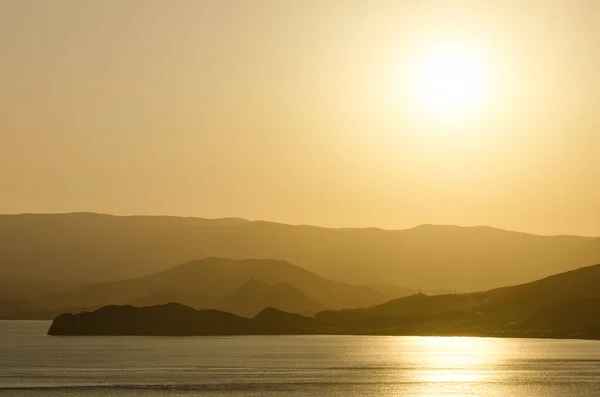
{"type": "Point", "coordinates": [169, 319]}
{"type": "Point", "coordinates": [481, 312]}
{"type": "Point", "coordinates": [275, 321]}
{"type": "Point", "coordinates": [188, 298]}
{"type": "Point", "coordinates": [242, 287]}
{"type": "Point", "coordinates": [556, 289]}
{"type": "Point", "coordinates": [564, 305]}
{"type": "Point", "coordinates": [173, 319]}
{"type": "Point", "coordinates": [248, 300]}
{"type": "Point", "coordinates": [521, 300]}
{"type": "Point", "coordinates": [88, 247]}
{"type": "Point", "coordinates": [577, 317]}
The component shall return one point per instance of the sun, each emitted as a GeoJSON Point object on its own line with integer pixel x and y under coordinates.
{"type": "Point", "coordinates": [449, 82]}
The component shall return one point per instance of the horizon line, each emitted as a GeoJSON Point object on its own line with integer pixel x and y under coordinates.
{"type": "Point", "coordinates": [421, 225]}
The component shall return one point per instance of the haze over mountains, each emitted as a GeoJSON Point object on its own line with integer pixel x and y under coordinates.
{"type": "Point", "coordinates": [503, 309]}
{"type": "Point", "coordinates": [88, 248]}
{"type": "Point", "coordinates": [349, 280]}
{"type": "Point", "coordinates": [243, 287]}
{"type": "Point", "coordinates": [561, 306]}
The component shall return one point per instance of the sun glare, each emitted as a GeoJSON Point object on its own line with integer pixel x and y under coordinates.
{"type": "Point", "coordinates": [449, 82]}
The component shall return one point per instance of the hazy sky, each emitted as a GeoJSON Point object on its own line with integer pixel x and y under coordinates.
{"type": "Point", "coordinates": [301, 111]}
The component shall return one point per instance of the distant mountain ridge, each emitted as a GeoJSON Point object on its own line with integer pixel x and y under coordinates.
{"type": "Point", "coordinates": [89, 248]}
{"type": "Point", "coordinates": [243, 287]}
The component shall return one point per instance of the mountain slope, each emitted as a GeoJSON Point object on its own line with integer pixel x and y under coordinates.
{"type": "Point", "coordinates": [94, 247]}
{"type": "Point", "coordinates": [556, 311]}
{"type": "Point", "coordinates": [173, 319]}
{"type": "Point", "coordinates": [221, 283]}
{"type": "Point", "coordinates": [556, 289]}
{"type": "Point", "coordinates": [577, 317]}
{"type": "Point", "coordinates": [254, 296]}
{"type": "Point", "coordinates": [496, 309]}
{"type": "Point", "coordinates": [169, 319]}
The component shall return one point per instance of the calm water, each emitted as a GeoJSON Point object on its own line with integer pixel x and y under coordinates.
{"type": "Point", "coordinates": [33, 364]}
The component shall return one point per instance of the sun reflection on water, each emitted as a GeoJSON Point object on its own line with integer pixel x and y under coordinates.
{"type": "Point", "coordinates": [449, 362]}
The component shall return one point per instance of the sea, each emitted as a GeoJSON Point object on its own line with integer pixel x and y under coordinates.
{"type": "Point", "coordinates": [34, 364]}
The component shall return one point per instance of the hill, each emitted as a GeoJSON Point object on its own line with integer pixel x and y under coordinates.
{"type": "Point", "coordinates": [532, 297]}
{"type": "Point", "coordinates": [563, 306]}
{"type": "Point", "coordinates": [242, 287]}
{"type": "Point", "coordinates": [173, 319]}
{"type": "Point", "coordinates": [496, 310]}
{"type": "Point", "coordinates": [86, 247]}
{"type": "Point", "coordinates": [575, 318]}
{"type": "Point", "coordinates": [169, 319]}
{"type": "Point", "coordinates": [254, 296]}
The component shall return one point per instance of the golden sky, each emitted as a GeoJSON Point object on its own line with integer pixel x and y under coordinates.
{"type": "Point", "coordinates": [315, 112]}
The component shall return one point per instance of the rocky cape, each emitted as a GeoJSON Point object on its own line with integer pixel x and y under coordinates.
{"type": "Point", "coordinates": [174, 319]}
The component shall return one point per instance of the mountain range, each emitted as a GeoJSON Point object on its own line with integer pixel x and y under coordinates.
{"type": "Point", "coordinates": [500, 310]}
{"type": "Point", "coordinates": [243, 287]}
{"type": "Point", "coordinates": [47, 251]}
{"type": "Point", "coordinates": [560, 306]}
